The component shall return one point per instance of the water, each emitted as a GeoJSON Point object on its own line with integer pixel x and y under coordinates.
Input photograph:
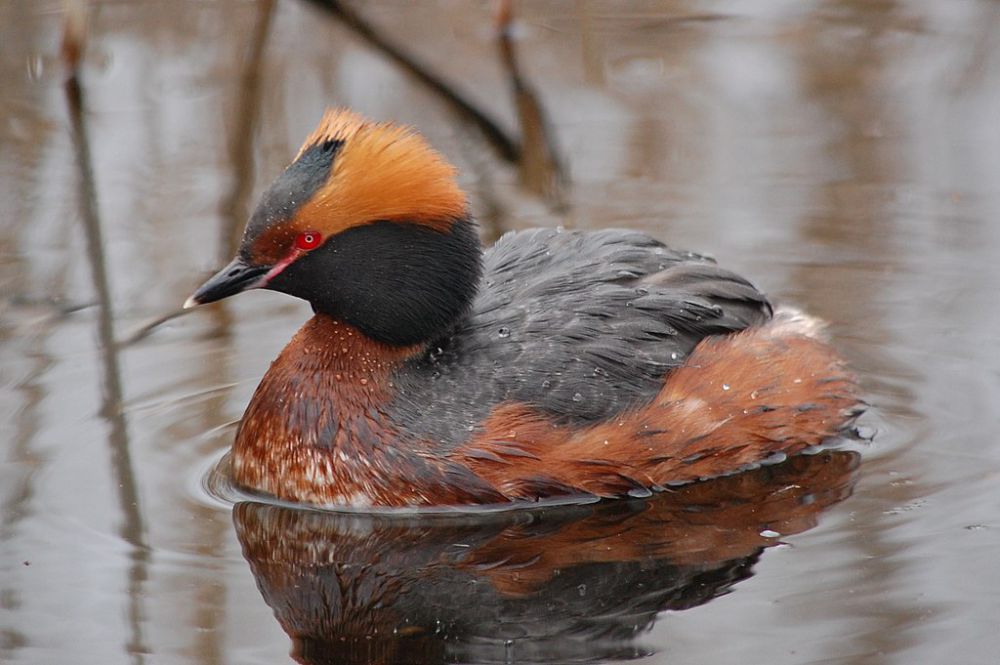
{"type": "Point", "coordinates": [841, 154]}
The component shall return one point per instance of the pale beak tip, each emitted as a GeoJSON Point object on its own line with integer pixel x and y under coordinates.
{"type": "Point", "coordinates": [191, 302]}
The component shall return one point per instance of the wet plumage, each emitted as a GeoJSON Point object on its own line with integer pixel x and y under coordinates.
{"type": "Point", "coordinates": [556, 363]}
{"type": "Point", "coordinates": [579, 325]}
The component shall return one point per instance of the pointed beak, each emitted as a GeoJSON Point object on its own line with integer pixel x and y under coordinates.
{"type": "Point", "coordinates": [235, 278]}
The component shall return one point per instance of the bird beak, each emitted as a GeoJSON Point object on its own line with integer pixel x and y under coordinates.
{"type": "Point", "coordinates": [235, 278]}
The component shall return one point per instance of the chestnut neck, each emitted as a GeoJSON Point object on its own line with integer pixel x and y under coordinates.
{"type": "Point", "coordinates": [315, 419]}
{"type": "Point", "coordinates": [335, 365]}
{"type": "Point", "coordinates": [316, 429]}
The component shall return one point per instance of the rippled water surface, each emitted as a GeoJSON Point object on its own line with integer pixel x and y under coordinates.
{"type": "Point", "coordinates": [842, 154]}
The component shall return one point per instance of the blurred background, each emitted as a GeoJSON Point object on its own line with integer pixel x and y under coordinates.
{"type": "Point", "coordinates": [842, 154]}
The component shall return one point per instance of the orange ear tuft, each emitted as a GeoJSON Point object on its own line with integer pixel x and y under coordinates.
{"type": "Point", "coordinates": [381, 172]}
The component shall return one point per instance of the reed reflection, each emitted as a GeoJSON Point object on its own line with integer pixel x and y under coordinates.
{"type": "Point", "coordinates": [571, 583]}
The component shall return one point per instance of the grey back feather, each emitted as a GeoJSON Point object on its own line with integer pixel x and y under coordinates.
{"type": "Point", "coordinates": [578, 325]}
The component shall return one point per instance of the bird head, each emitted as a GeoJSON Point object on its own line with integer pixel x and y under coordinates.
{"type": "Point", "coordinates": [369, 225]}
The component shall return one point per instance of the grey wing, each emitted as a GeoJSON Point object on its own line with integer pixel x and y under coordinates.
{"type": "Point", "coordinates": [580, 325]}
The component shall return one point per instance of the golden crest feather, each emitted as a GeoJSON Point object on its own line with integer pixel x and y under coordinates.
{"type": "Point", "coordinates": [382, 171]}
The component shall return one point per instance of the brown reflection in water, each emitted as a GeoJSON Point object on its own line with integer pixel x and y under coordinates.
{"type": "Point", "coordinates": [240, 143]}
{"type": "Point", "coordinates": [986, 32]}
{"type": "Point", "coordinates": [857, 218]}
{"type": "Point", "coordinates": [540, 168]}
{"type": "Point", "coordinates": [234, 209]}
{"type": "Point", "coordinates": [490, 211]}
{"type": "Point", "coordinates": [17, 505]}
{"type": "Point", "coordinates": [132, 529]}
{"type": "Point", "coordinates": [551, 585]}
{"type": "Point", "coordinates": [664, 117]}
{"type": "Point", "coordinates": [591, 52]}
{"type": "Point", "coordinates": [855, 211]}
{"type": "Point", "coordinates": [506, 146]}
{"type": "Point", "coordinates": [210, 606]}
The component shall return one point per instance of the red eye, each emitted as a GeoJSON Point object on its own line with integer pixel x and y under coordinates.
{"type": "Point", "coordinates": [308, 240]}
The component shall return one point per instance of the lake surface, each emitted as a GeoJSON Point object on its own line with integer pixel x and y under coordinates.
{"type": "Point", "coordinates": [844, 155]}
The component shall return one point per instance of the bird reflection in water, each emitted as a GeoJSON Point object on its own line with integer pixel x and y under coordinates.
{"type": "Point", "coordinates": [551, 585]}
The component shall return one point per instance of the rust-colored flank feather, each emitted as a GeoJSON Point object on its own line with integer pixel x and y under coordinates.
{"type": "Point", "coordinates": [774, 389]}
{"type": "Point", "coordinates": [383, 172]}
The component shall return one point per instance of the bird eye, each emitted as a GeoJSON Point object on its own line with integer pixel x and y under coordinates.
{"type": "Point", "coordinates": [308, 240]}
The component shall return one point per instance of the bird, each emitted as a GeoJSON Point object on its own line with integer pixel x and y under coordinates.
{"type": "Point", "coordinates": [556, 365]}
